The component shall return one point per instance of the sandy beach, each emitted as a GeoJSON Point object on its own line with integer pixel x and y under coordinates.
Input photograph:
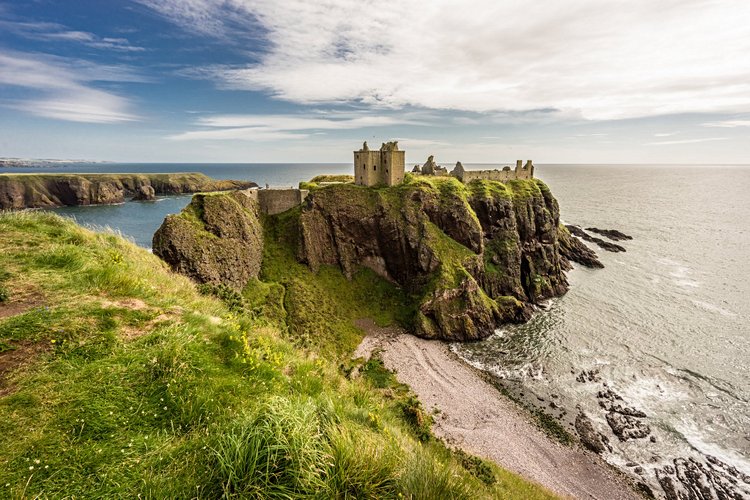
{"type": "Point", "coordinates": [475, 416]}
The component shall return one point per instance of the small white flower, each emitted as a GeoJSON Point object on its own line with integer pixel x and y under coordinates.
{"type": "Point", "coordinates": [36, 461]}
{"type": "Point", "coordinates": [31, 467]}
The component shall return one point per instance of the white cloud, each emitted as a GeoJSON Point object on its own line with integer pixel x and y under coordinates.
{"type": "Point", "coordinates": [277, 127]}
{"type": "Point", "coordinates": [611, 60]}
{"type": "Point", "coordinates": [64, 88]}
{"type": "Point", "coordinates": [665, 134]}
{"type": "Point", "coordinates": [54, 32]}
{"type": "Point", "coordinates": [686, 141]}
{"type": "Point", "coordinates": [728, 124]}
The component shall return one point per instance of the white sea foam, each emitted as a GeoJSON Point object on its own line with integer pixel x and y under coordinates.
{"type": "Point", "coordinates": [698, 440]}
{"type": "Point", "coordinates": [650, 391]}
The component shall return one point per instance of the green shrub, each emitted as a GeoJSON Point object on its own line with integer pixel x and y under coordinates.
{"type": "Point", "coordinates": [4, 294]}
{"type": "Point", "coordinates": [477, 467]}
{"type": "Point", "coordinates": [231, 297]}
{"type": "Point", "coordinates": [418, 419]}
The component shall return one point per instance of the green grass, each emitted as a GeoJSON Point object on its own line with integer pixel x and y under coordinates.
{"type": "Point", "coordinates": [137, 384]}
{"type": "Point", "coordinates": [320, 308]}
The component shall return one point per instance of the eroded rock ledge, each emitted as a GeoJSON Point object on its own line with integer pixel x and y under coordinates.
{"type": "Point", "coordinates": [19, 191]}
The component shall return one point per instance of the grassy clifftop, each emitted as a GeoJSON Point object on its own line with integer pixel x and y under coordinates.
{"type": "Point", "coordinates": [118, 379]}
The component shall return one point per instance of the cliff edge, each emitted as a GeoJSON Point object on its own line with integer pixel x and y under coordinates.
{"type": "Point", "coordinates": [19, 191]}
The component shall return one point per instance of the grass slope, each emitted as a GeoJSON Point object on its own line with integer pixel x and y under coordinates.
{"type": "Point", "coordinates": [120, 379]}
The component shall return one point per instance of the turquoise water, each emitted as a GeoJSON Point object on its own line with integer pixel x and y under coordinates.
{"type": "Point", "coordinates": [665, 323]}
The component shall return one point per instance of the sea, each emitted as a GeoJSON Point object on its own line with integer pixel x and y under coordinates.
{"type": "Point", "coordinates": [665, 325]}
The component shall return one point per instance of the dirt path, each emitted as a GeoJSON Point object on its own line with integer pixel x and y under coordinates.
{"type": "Point", "coordinates": [476, 417]}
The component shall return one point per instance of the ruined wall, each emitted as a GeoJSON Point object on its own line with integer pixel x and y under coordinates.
{"type": "Point", "coordinates": [394, 163]}
{"type": "Point", "coordinates": [275, 201]}
{"type": "Point", "coordinates": [525, 172]}
{"type": "Point", "coordinates": [504, 175]}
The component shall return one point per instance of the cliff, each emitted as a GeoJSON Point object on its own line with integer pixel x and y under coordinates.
{"type": "Point", "coordinates": [18, 191]}
{"type": "Point", "coordinates": [472, 256]}
{"type": "Point", "coordinates": [217, 239]}
{"type": "Point", "coordinates": [467, 257]}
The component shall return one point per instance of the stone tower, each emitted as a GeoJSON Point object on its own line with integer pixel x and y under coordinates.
{"type": "Point", "coordinates": [380, 167]}
{"type": "Point", "coordinates": [524, 171]}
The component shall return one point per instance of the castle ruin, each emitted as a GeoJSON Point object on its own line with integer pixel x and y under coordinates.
{"type": "Point", "coordinates": [506, 174]}
{"type": "Point", "coordinates": [386, 167]}
{"type": "Point", "coordinates": [380, 167]}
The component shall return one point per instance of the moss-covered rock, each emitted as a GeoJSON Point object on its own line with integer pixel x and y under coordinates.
{"type": "Point", "coordinates": [217, 239]}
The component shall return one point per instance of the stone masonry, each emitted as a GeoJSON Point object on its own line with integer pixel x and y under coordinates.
{"type": "Point", "coordinates": [273, 201]}
{"type": "Point", "coordinates": [380, 167]}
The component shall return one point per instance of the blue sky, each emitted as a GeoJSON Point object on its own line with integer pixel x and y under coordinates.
{"type": "Point", "coordinates": [564, 81]}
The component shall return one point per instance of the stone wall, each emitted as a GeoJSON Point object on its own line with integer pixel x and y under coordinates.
{"type": "Point", "coordinates": [506, 174]}
{"type": "Point", "coordinates": [275, 201]}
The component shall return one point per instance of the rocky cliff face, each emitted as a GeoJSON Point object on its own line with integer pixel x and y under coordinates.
{"type": "Point", "coordinates": [217, 239]}
{"type": "Point", "coordinates": [472, 255]}
{"type": "Point", "coordinates": [18, 191]}
{"type": "Point", "coordinates": [469, 256]}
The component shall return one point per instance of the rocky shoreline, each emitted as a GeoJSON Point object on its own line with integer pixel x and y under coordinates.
{"type": "Point", "coordinates": [473, 415]}
{"type": "Point", "coordinates": [655, 475]}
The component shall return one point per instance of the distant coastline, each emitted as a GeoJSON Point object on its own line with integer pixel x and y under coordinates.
{"type": "Point", "coordinates": [44, 162]}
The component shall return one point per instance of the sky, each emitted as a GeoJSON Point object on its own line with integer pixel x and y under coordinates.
{"type": "Point", "coordinates": [480, 81]}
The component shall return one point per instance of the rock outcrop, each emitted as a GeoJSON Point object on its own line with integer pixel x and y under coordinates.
{"type": "Point", "coordinates": [145, 193]}
{"type": "Point", "coordinates": [612, 234]}
{"type": "Point", "coordinates": [217, 239]}
{"type": "Point", "coordinates": [19, 191]}
{"type": "Point", "coordinates": [575, 250]}
{"type": "Point", "coordinates": [604, 245]}
{"type": "Point", "coordinates": [473, 255]}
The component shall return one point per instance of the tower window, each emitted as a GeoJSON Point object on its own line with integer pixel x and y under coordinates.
{"type": "Point", "coordinates": [374, 167]}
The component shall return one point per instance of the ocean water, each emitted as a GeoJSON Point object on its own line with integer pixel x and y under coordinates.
{"type": "Point", "coordinates": [665, 323]}
{"type": "Point", "coordinates": [138, 221]}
